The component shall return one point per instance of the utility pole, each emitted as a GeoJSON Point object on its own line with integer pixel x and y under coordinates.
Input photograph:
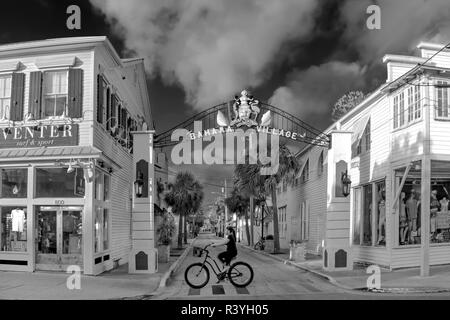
{"type": "Point", "coordinates": [425, 191]}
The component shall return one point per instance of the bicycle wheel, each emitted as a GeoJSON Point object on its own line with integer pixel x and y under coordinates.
{"type": "Point", "coordinates": [196, 275]}
{"type": "Point", "coordinates": [240, 274]}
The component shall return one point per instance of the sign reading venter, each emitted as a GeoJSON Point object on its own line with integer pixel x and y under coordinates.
{"type": "Point", "coordinates": [39, 136]}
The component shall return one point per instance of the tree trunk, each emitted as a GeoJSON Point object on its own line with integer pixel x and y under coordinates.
{"type": "Point", "coordinates": [185, 228]}
{"type": "Point", "coordinates": [180, 231]}
{"type": "Point", "coordinates": [276, 235]}
{"type": "Point", "coordinates": [252, 214]}
{"type": "Point", "coordinates": [247, 229]}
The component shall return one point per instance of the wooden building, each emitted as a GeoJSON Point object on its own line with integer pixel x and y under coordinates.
{"type": "Point", "coordinates": [67, 107]}
{"type": "Point", "coordinates": [399, 171]}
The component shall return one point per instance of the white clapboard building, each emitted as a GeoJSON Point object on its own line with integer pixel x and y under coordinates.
{"type": "Point", "coordinates": [395, 147]}
{"type": "Point", "coordinates": [67, 107]}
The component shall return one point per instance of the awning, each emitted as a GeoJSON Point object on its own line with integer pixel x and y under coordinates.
{"type": "Point", "coordinates": [48, 153]}
{"type": "Point", "coordinates": [359, 127]}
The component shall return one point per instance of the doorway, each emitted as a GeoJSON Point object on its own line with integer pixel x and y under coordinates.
{"type": "Point", "coordinates": [59, 237]}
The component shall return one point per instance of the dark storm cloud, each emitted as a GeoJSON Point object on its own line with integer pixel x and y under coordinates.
{"type": "Point", "coordinates": [212, 49]}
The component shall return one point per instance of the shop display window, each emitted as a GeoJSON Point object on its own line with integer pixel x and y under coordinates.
{"type": "Point", "coordinates": [102, 185]}
{"type": "Point", "coordinates": [356, 216]}
{"type": "Point", "coordinates": [55, 183]}
{"type": "Point", "coordinates": [101, 230]}
{"type": "Point", "coordinates": [13, 229]}
{"type": "Point", "coordinates": [14, 183]}
{"type": "Point", "coordinates": [369, 214]}
{"type": "Point", "coordinates": [409, 205]}
{"type": "Point", "coordinates": [380, 213]}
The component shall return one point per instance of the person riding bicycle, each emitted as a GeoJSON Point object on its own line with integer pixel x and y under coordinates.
{"type": "Point", "coordinates": [231, 251]}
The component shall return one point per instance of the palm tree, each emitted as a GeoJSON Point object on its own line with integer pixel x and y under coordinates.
{"type": "Point", "coordinates": [196, 198]}
{"type": "Point", "coordinates": [184, 195]}
{"type": "Point", "coordinates": [239, 204]}
{"type": "Point", "coordinates": [249, 180]}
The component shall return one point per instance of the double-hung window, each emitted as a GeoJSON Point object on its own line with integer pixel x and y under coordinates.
{"type": "Point", "coordinates": [55, 92]}
{"type": "Point", "coordinates": [443, 104]}
{"type": "Point", "coordinates": [5, 96]}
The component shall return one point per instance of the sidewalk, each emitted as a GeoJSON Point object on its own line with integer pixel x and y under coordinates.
{"type": "Point", "coordinates": [398, 281]}
{"type": "Point", "coordinates": [114, 284]}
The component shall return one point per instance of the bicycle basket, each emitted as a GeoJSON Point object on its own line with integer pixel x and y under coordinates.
{"type": "Point", "coordinates": [197, 252]}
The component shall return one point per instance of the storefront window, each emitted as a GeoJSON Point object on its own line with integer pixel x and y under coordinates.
{"type": "Point", "coordinates": [105, 229]}
{"type": "Point", "coordinates": [72, 232]}
{"type": "Point", "coordinates": [13, 229]}
{"type": "Point", "coordinates": [55, 182]}
{"type": "Point", "coordinates": [408, 207]}
{"type": "Point", "coordinates": [101, 230]}
{"type": "Point", "coordinates": [380, 213]}
{"type": "Point", "coordinates": [14, 183]}
{"type": "Point", "coordinates": [367, 215]}
{"type": "Point", "coordinates": [102, 186]}
{"type": "Point", "coordinates": [356, 216]}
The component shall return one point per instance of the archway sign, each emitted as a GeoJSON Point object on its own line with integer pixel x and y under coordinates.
{"type": "Point", "coordinates": [245, 112]}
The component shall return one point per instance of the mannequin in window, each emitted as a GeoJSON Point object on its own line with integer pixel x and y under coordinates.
{"type": "Point", "coordinates": [381, 218]}
{"type": "Point", "coordinates": [411, 211]}
{"type": "Point", "coordinates": [434, 208]}
{"type": "Point", "coordinates": [444, 205]}
{"type": "Point", "coordinates": [403, 219]}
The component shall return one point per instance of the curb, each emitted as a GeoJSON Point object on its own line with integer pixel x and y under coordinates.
{"type": "Point", "coordinates": [317, 273]}
{"type": "Point", "coordinates": [173, 268]}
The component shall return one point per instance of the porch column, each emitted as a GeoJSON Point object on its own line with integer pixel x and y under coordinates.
{"type": "Point", "coordinates": [337, 254]}
{"type": "Point", "coordinates": [143, 256]}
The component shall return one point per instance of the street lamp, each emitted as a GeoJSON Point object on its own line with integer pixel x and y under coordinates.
{"type": "Point", "coordinates": [346, 182]}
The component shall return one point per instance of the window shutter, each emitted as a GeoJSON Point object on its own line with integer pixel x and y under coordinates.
{"type": "Point", "coordinates": [119, 115]}
{"type": "Point", "coordinates": [108, 109]}
{"type": "Point", "coordinates": [17, 92]}
{"type": "Point", "coordinates": [35, 97]}
{"type": "Point", "coordinates": [124, 118]}
{"type": "Point", "coordinates": [113, 110]}
{"type": "Point", "coordinates": [99, 99]}
{"type": "Point", "coordinates": [75, 93]}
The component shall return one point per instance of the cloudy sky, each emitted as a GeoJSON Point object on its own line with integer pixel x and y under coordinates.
{"type": "Point", "coordinates": [300, 55]}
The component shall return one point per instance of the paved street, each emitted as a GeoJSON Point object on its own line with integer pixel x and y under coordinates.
{"type": "Point", "coordinates": [272, 280]}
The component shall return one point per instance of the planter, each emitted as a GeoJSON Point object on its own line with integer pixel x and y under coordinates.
{"type": "Point", "coordinates": [297, 252]}
{"type": "Point", "coordinates": [163, 253]}
{"type": "Point", "coordinates": [268, 246]}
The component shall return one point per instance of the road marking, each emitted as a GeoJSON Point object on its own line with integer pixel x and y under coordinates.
{"type": "Point", "coordinates": [218, 289]}
{"type": "Point", "coordinates": [242, 291]}
{"type": "Point", "coordinates": [194, 292]}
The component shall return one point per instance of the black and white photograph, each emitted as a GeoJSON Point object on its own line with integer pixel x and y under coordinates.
{"type": "Point", "coordinates": [224, 155]}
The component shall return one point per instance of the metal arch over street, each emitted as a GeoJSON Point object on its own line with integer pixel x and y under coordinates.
{"type": "Point", "coordinates": [279, 119]}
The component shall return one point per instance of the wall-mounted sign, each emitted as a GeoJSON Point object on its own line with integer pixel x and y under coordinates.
{"type": "Point", "coordinates": [354, 164]}
{"type": "Point", "coordinates": [39, 136]}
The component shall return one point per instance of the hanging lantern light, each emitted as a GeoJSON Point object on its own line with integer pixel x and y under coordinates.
{"type": "Point", "coordinates": [346, 183]}
{"type": "Point", "coordinates": [139, 184]}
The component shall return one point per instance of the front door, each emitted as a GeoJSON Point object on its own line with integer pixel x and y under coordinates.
{"type": "Point", "coordinates": [58, 237]}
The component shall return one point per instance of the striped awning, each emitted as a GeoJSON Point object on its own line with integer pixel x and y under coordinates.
{"type": "Point", "coordinates": [8, 155]}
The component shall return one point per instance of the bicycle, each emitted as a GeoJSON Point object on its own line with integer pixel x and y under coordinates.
{"type": "Point", "coordinates": [260, 244]}
{"type": "Point", "coordinates": [197, 275]}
